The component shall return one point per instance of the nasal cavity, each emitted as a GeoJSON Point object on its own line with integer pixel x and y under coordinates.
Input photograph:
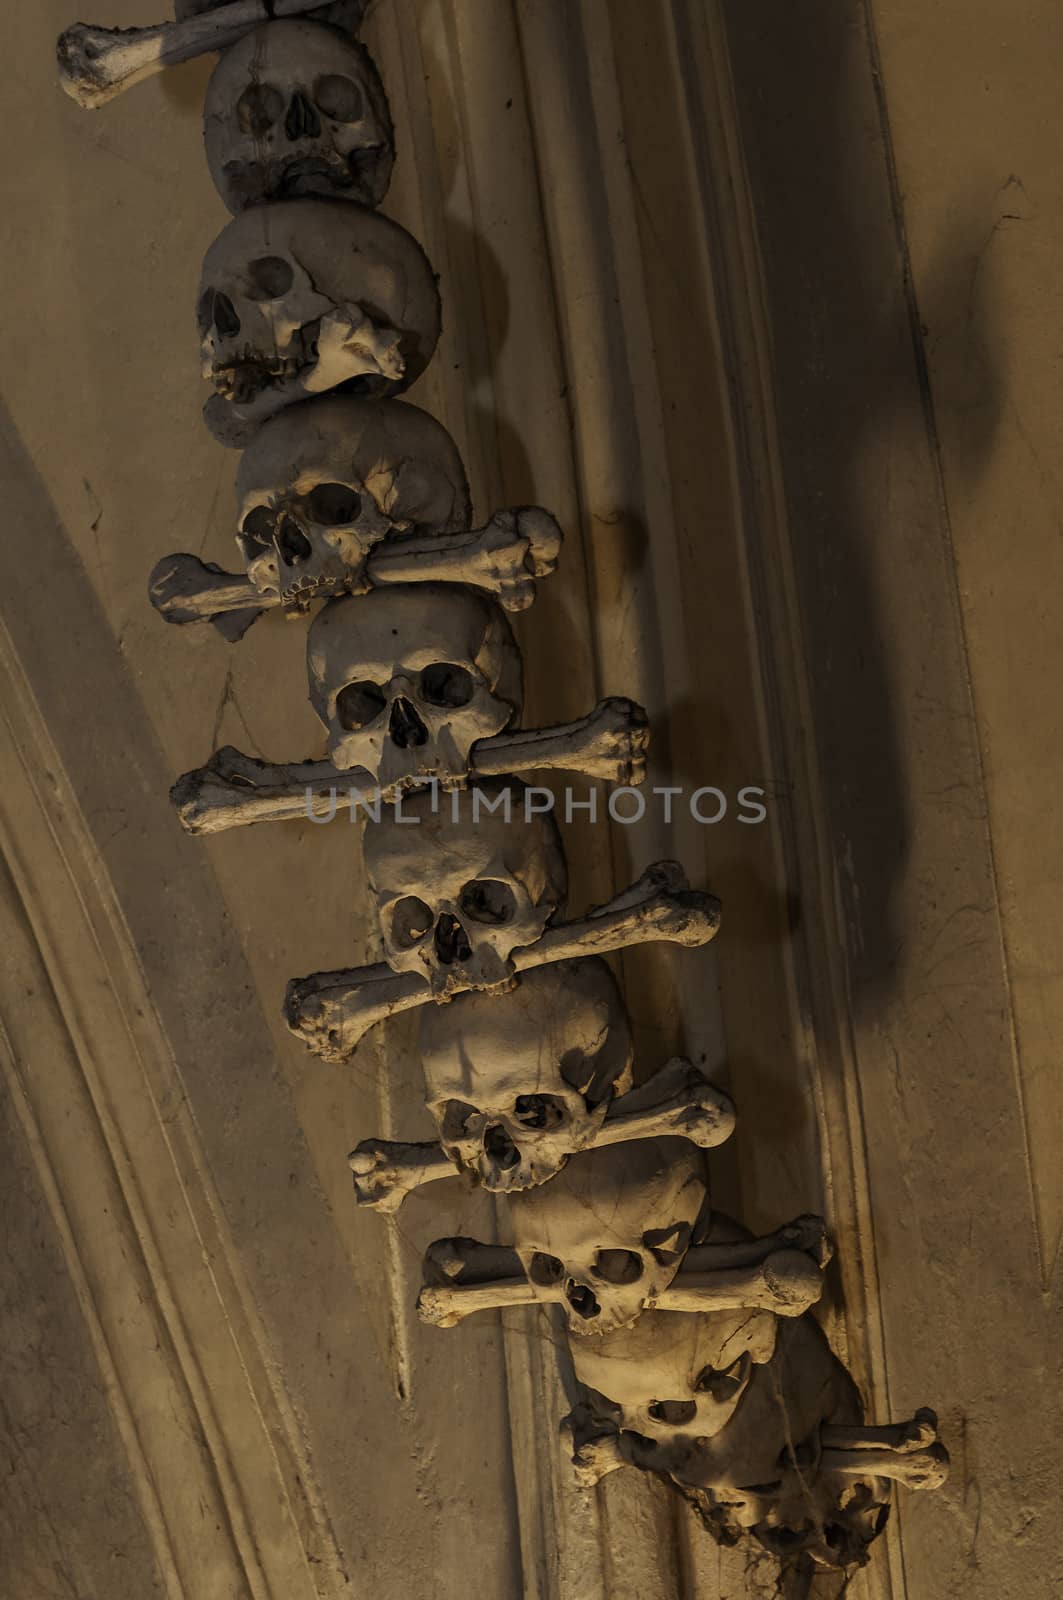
{"type": "Point", "coordinates": [226, 322]}
{"type": "Point", "coordinates": [581, 1300]}
{"type": "Point", "coordinates": [500, 1147]}
{"type": "Point", "coordinates": [451, 942]}
{"type": "Point", "coordinates": [292, 543]}
{"type": "Point", "coordinates": [302, 121]}
{"type": "Point", "coordinates": [405, 727]}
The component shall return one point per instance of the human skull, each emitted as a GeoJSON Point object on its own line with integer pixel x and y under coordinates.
{"type": "Point", "coordinates": [407, 678]}
{"type": "Point", "coordinates": [672, 1377]}
{"type": "Point", "coordinates": [517, 1085]}
{"type": "Point", "coordinates": [305, 295]}
{"type": "Point", "coordinates": [296, 108]}
{"type": "Point", "coordinates": [322, 482]}
{"type": "Point", "coordinates": [459, 886]}
{"type": "Point", "coordinates": [761, 1473]}
{"type": "Point", "coordinates": [609, 1233]}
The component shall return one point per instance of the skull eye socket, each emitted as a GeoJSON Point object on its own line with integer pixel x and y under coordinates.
{"type": "Point", "coordinates": [259, 107]}
{"type": "Point", "coordinates": [444, 683]}
{"type": "Point", "coordinates": [723, 1384]}
{"type": "Point", "coordinates": [411, 921]}
{"type": "Point", "coordinates": [545, 1270]}
{"type": "Point", "coordinates": [668, 1246]}
{"type": "Point", "coordinates": [270, 278]}
{"type": "Point", "coordinates": [538, 1111]}
{"type": "Point", "coordinates": [339, 98]}
{"type": "Point", "coordinates": [257, 527]}
{"type": "Point", "coordinates": [457, 1116]}
{"type": "Point", "coordinates": [618, 1266]}
{"type": "Point", "coordinates": [216, 310]}
{"type": "Point", "coordinates": [334, 505]}
{"type": "Point", "coordinates": [358, 705]}
{"type": "Point", "coordinates": [488, 901]}
{"type": "Point", "coordinates": [673, 1413]}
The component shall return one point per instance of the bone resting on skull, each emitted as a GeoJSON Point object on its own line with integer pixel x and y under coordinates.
{"type": "Point", "coordinates": [678, 1100]}
{"type": "Point", "coordinates": [332, 1011]}
{"type": "Point", "coordinates": [96, 64]}
{"type": "Point", "coordinates": [504, 558]}
{"type": "Point", "coordinates": [457, 1284]}
{"type": "Point", "coordinates": [234, 790]}
{"type": "Point", "coordinates": [386, 1172]}
{"type": "Point", "coordinates": [301, 296]}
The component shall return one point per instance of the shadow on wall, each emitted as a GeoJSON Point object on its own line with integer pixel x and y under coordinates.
{"type": "Point", "coordinates": [835, 275]}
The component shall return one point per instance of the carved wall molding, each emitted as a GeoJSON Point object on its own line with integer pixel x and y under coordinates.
{"type": "Point", "coordinates": [165, 1298]}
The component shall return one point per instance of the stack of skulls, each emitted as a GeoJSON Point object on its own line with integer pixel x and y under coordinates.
{"type": "Point", "coordinates": [693, 1345]}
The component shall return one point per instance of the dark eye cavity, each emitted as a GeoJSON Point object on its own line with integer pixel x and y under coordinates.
{"type": "Point", "coordinates": [545, 1270]}
{"type": "Point", "coordinates": [271, 277]}
{"type": "Point", "coordinates": [217, 311]}
{"type": "Point", "coordinates": [257, 526]}
{"type": "Point", "coordinates": [410, 922]}
{"type": "Point", "coordinates": [339, 98]}
{"type": "Point", "coordinates": [446, 684]}
{"type": "Point", "coordinates": [457, 1115]}
{"type": "Point", "coordinates": [724, 1384]}
{"type": "Point", "coordinates": [676, 1413]}
{"type": "Point", "coordinates": [359, 704]}
{"type": "Point", "coordinates": [487, 900]}
{"type": "Point", "coordinates": [618, 1266]}
{"type": "Point", "coordinates": [259, 107]}
{"type": "Point", "coordinates": [334, 505]}
{"type": "Point", "coordinates": [538, 1110]}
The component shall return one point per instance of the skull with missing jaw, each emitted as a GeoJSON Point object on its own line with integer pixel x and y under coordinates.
{"type": "Point", "coordinates": [516, 1086]}
{"type": "Point", "coordinates": [459, 887]}
{"type": "Point", "coordinates": [609, 1233]}
{"type": "Point", "coordinates": [408, 678]}
{"type": "Point", "coordinates": [304, 296]}
{"type": "Point", "coordinates": [324, 481]}
{"type": "Point", "coordinates": [296, 108]}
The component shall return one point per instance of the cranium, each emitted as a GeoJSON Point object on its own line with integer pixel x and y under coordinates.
{"type": "Point", "coordinates": [517, 1085]}
{"type": "Point", "coordinates": [407, 679]}
{"type": "Point", "coordinates": [324, 481]}
{"type": "Point", "coordinates": [610, 1231]}
{"type": "Point", "coordinates": [296, 108]}
{"type": "Point", "coordinates": [459, 887]}
{"type": "Point", "coordinates": [670, 1378]}
{"type": "Point", "coordinates": [305, 295]}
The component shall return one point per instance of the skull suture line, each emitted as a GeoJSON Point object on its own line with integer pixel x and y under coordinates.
{"type": "Point", "coordinates": [516, 1088]}
{"type": "Point", "coordinates": [406, 680]}
{"type": "Point", "coordinates": [295, 108]}
{"type": "Point", "coordinates": [455, 898]}
{"type": "Point", "coordinates": [324, 481]}
{"type": "Point", "coordinates": [303, 296]}
{"type": "Point", "coordinates": [609, 1233]}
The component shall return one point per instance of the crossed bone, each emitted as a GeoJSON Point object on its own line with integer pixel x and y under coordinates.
{"type": "Point", "coordinates": [332, 1011]}
{"type": "Point", "coordinates": [234, 790]}
{"type": "Point", "coordinates": [96, 64]}
{"type": "Point", "coordinates": [678, 1101]}
{"type": "Point", "coordinates": [781, 1273]}
{"type": "Point", "coordinates": [908, 1453]}
{"type": "Point", "coordinates": [505, 557]}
